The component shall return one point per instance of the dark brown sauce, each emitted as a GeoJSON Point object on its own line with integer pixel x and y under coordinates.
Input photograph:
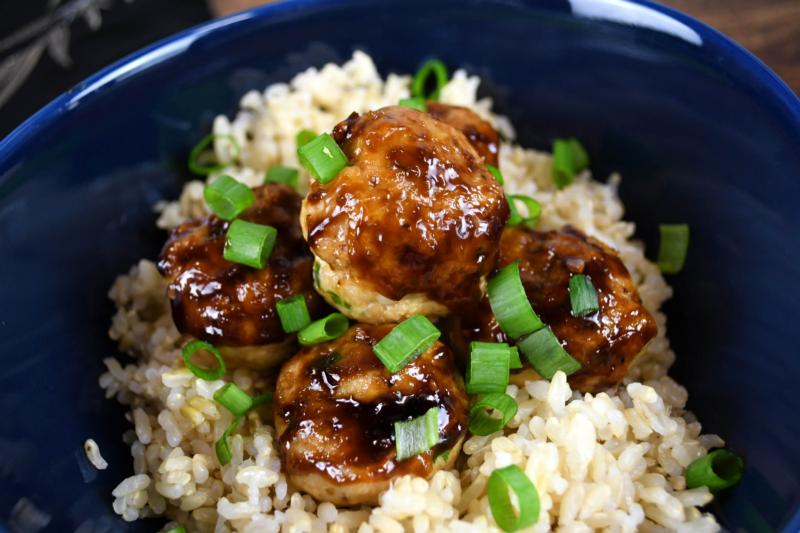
{"type": "Point", "coordinates": [231, 304]}
{"type": "Point", "coordinates": [480, 134]}
{"type": "Point", "coordinates": [604, 342]}
{"type": "Point", "coordinates": [416, 212]}
{"type": "Point", "coordinates": [348, 435]}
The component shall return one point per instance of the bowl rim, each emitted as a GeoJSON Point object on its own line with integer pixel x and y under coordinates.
{"type": "Point", "coordinates": [140, 60]}
{"type": "Point", "coordinates": [144, 58]}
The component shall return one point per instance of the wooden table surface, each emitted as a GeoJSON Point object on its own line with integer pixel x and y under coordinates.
{"type": "Point", "coordinates": [768, 28]}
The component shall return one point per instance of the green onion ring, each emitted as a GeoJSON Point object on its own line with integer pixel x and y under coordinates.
{"type": "Point", "coordinates": [207, 375]}
{"type": "Point", "coordinates": [194, 155]}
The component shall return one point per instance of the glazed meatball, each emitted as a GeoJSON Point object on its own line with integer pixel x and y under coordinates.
{"type": "Point", "coordinates": [335, 407]}
{"type": "Point", "coordinates": [411, 226]}
{"type": "Point", "coordinates": [232, 305]}
{"type": "Point", "coordinates": [480, 134]}
{"type": "Point", "coordinates": [606, 342]}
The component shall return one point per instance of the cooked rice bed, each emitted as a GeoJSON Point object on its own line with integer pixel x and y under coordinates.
{"type": "Point", "coordinates": [612, 461]}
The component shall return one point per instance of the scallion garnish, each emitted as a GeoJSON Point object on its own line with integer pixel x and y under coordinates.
{"type": "Point", "coordinates": [248, 243]}
{"type": "Point", "coordinates": [510, 304]}
{"type": "Point", "coordinates": [415, 102]}
{"type": "Point", "coordinates": [228, 198]}
{"type": "Point", "coordinates": [432, 67]}
{"type": "Point", "coordinates": [234, 399]}
{"type": "Point", "coordinates": [282, 174]}
{"type": "Point", "coordinates": [406, 342]}
{"type": "Point", "coordinates": [544, 352]}
{"type": "Point", "coordinates": [514, 362]}
{"type": "Point", "coordinates": [293, 313]}
{"type": "Point", "coordinates": [533, 208]}
{"type": "Point", "coordinates": [482, 423]}
{"type": "Point", "coordinates": [569, 158]}
{"type": "Point", "coordinates": [197, 152]}
{"type": "Point", "coordinates": [304, 137]}
{"type": "Point", "coordinates": [322, 157]}
{"type": "Point", "coordinates": [673, 247]}
{"type": "Point", "coordinates": [488, 367]}
{"type": "Point", "coordinates": [221, 446]}
{"type": "Point", "coordinates": [323, 330]}
{"type": "Point", "coordinates": [417, 435]}
{"type": "Point", "coordinates": [203, 373]}
{"type": "Point", "coordinates": [512, 478]}
{"type": "Point", "coordinates": [718, 470]}
{"type": "Point", "coordinates": [582, 296]}
{"type": "Point", "coordinates": [179, 529]}
{"type": "Point", "coordinates": [261, 399]}
{"type": "Point", "coordinates": [494, 171]}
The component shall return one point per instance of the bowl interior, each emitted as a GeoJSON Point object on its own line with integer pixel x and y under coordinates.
{"type": "Point", "coordinates": [700, 132]}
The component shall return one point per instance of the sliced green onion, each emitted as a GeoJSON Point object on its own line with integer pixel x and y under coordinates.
{"type": "Point", "coordinates": [293, 313]}
{"type": "Point", "coordinates": [203, 373]}
{"type": "Point", "coordinates": [322, 157]}
{"type": "Point", "coordinates": [415, 102]}
{"type": "Point", "coordinates": [261, 399]}
{"type": "Point", "coordinates": [533, 208]}
{"type": "Point", "coordinates": [488, 367]}
{"type": "Point", "coordinates": [514, 362]}
{"type": "Point", "coordinates": [249, 244]}
{"type": "Point", "coordinates": [482, 423]}
{"type": "Point", "coordinates": [718, 470]}
{"type": "Point", "coordinates": [569, 158]}
{"type": "Point", "coordinates": [406, 342]}
{"type": "Point", "coordinates": [673, 247]}
{"type": "Point", "coordinates": [513, 478]}
{"type": "Point", "coordinates": [417, 435]}
{"type": "Point", "coordinates": [323, 330]}
{"type": "Point", "coordinates": [438, 70]}
{"type": "Point", "coordinates": [494, 171]}
{"type": "Point", "coordinates": [510, 304]}
{"type": "Point", "coordinates": [234, 399]}
{"type": "Point", "coordinates": [546, 355]}
{"type": "Point", "coordinates": [282, 174]}
{"type": "Point", "coordinates": [179, 529]}
{"type": "Point", "coordinates": [582, 296]}
{"type": "Point", "coordinates": [197, 152]}
{"type": "Point", "coordinates": [227, 198]}
{"type": "Point", "coordinates": [304, 137]}
{"type": "Point", "coordinates": [221, 446]}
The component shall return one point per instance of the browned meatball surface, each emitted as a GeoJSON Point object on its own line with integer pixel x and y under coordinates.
{"type": "Point", "coordinates": [335, 409]}
{"type": "Point", "coordinates": [415, 212]}
{"type": "Point", "coordinates": [227, 303]}
{"type": "Point", "coordinates": [605, 342]}
{"type": "Point", "coordinates": [480, 134]}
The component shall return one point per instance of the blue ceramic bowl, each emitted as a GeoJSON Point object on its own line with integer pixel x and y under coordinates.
{"type": "Point", "coordinates": [701, 131]}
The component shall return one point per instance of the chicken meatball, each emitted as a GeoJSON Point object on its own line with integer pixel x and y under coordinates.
{"type": "Point", "coordinates": [480, 134]}
{"type": "Point", "coordinates": [232, 305]}
{"type": "Point", "coordinates": [335, 407]}
{"type": "Point", "coordinates": [411, 226]}
{"type": "Point", "coordinates": [605, 342]}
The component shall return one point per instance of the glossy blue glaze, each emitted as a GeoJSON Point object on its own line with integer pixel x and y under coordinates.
{"type": "Point", "coordinates": [701, 131]}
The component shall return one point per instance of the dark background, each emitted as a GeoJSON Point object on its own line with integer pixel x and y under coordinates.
{"type": "Point", "coordinates": [125, 28]}
{"type": "Point", "coordinates": [769, 28]}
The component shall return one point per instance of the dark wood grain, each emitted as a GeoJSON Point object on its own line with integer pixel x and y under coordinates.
{"type": "Point", "coordinates": [768, 28]}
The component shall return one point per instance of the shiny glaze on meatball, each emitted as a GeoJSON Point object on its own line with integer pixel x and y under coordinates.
{"type": "Point", "coordinates": [605, 342]}
{"type": "Point", "coordinates": [335, 407]}
{"type": "Point", "coordinates": [480, 134]}
{"type": "Point", "coordinates": [415, 212]}
{"type": "Point", "coordinates": [229, 304]}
